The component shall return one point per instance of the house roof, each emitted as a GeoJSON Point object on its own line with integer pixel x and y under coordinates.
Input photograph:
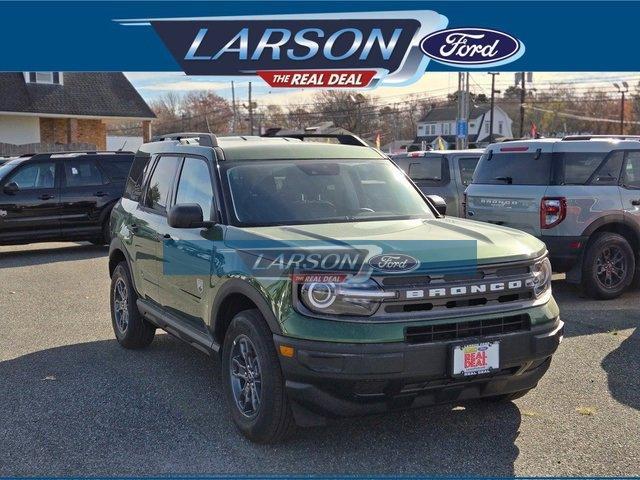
{"type": "Point", "coordinates": [440, 114]}
{"type": "Point", "coordinates": [447, 138]}
{"type": "Point", "coordinates": [107, 94]}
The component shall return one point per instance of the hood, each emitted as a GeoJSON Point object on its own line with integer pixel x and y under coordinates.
{"type": "Point", "coordinates": [491, 243]}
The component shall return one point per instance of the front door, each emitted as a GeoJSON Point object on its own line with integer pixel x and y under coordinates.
{"type": "Point", "coordinates": [188, 252]}
{"type": "Point", "coordinates": [30, 203]}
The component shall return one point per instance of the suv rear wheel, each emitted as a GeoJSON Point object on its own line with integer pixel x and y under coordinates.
{"type": "Point", "coordinates": [253, 381]}
{"type": "Point", "coordinates": [608, 267]}
{"type": "Point", "coordinates": [132, 331]}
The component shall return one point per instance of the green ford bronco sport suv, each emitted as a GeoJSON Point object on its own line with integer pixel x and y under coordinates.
{"type": "Point", "coordinates": [327, 283]}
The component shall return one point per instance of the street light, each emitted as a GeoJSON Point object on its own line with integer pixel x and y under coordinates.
{"type": "Point", "coordinates": [622, 91]}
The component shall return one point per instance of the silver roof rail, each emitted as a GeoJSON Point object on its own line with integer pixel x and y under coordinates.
{"type": "Point", "coordinates": [203, 139]}
{"type": "Point", "coordinates": [600, 137]}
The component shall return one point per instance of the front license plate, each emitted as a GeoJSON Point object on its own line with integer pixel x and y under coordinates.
{"type": "Point", "coordinates": [476, 358]}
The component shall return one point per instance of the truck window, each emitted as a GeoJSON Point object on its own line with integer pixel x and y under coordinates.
{"type": "Point", "coordinates": [517, 168]}
{"type": "Point", "coordinates": [160, 183]}
{"type": "Point", "coordinates": [194, 185]}
{"type": "Point", "coordinates": [427, 169]}
{"type": "Point", "coordinates": [577, 167]}
{"type": "Point", "coordinates": [467, 167]}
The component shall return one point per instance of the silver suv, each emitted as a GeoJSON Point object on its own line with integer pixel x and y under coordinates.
{"type": "Point", "coordinates": [579, 194]}
{"type": "Point", "coordinates": [445, 173]}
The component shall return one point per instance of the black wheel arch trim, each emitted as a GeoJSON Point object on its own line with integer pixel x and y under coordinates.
{"type": "Point", "coordinates": [117, 245]}
{"type": "Point", "coordinates": [237, 285]}
{"type": "Point", "coordinates": [612, 219]}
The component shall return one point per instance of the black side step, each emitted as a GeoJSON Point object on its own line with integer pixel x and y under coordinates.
{"type": "Point", "coordinates": [200, 340]}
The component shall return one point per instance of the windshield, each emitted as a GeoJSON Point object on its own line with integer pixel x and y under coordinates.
{"type": "Point", "coordinates": [514, 169]}
{"type": "Point", "coordinates": [308, 191]}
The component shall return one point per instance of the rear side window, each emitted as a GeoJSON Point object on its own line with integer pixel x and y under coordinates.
{"type": "Point", "coordinates": [137, 177]}
{"type": "Point", "coordinates": [116, 168]}
{"type": "Point", "coordinates": [160, 183]}
{"type": "Point", "coordinates": [82, 173]}
{"type": "Point", "coordinates": [578, 167]}
{"type": "Point", "coordinates": [514, 168]}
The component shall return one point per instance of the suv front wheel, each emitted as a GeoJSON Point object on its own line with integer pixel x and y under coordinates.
{"type": "Point", "coordinates": [609, 266]}
{"type": "Point", "coordinates": [253, 381]}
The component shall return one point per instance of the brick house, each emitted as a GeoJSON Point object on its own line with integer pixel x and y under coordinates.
{"type": "Point", "coordinates": [56, 108]}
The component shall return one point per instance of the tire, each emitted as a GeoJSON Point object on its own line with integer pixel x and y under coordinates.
{"type": "Point", "coordinates": [508, 397]}
{"type": "Point", "coordinates": [131, 330]}
{"type": "Point", "coordinates": [608, 267]}
{"type": "Point", "coordinates": [269, 419]}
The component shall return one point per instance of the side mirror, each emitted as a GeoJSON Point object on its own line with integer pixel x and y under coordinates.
{"type": "Point", "coordinates": [439, 203]}
{"type": "Point", "coordinates": [187, 215]}
{"type": "Point", "coordinates": [11, 188]}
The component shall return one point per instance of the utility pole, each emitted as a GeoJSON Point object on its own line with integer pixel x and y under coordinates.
{"type": "Point", "coordinates": [522, 98]}
{"type": "Point", "coordinates": [250, 111]}
{"type": "Point", "coordinates": [622, 91]}
{"type": "Point", "coordinates": [462, 121]}
{"type": "Point", "coordinates": [493, 95]}
{"type": "Point", "coordinates": [233, 107]}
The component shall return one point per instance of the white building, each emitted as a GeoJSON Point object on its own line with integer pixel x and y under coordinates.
{"type": "Point", "coordinates": [441, 122]}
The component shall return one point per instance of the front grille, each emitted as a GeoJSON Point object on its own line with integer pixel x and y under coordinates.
{"type": "Point", "coordinates": [475, 328]}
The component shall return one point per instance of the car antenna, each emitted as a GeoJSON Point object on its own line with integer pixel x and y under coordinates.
{"type": "Point", "coordinates": [123, 145]}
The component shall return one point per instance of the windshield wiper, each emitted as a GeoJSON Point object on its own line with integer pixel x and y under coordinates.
{"type": "Point", "coordinates": [508, 180]}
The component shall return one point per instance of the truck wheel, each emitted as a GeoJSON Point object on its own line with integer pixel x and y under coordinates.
{"type": "Point", "coordinates": [132, 331]}
{"type": "Point", "coordinates": [253, 381]}
{"type": "Point", "coordinates": [609, 266]}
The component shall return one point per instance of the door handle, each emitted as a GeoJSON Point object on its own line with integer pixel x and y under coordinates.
{"type": "Point", "coordinates": [101, 194]}
{"type": "Point", "coordinates": [635, 203]}
{"type": "Point", "coordinates": [166, 236]}
{"type": "Point", "coordinates": [134, 228]}
{"type": "Point", "coordinates": [46, 196]}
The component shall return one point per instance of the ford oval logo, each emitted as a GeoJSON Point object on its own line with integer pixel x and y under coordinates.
{"type": "Point", "coordinates": [471, 47]}
{"type": "Point", "coordinates": [393, 263]}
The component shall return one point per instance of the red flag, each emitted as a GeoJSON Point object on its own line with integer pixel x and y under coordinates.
{"type": "Point", "coordinates": [534, 130]}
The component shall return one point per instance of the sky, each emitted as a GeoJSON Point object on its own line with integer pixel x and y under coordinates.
{"type": "Point", "coordinates": [153, 85]}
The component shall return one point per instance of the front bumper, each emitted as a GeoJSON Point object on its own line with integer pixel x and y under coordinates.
{"type": "Point", "coordinates": [334, 379]}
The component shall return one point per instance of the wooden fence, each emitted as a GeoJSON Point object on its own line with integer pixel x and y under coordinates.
{"type": "Point", "coordinates": [7, 149]}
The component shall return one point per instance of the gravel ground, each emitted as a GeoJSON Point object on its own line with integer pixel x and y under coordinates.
{"type": "Point", "coordinates": [73, 403]}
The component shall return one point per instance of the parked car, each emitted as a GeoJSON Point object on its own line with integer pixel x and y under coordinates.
{"type": "Point", "coordinates": [441, 172]}
{"type": "Point", "coordinates": [221, 242]}
{"type": "Point", "coordinates": [579, 194]}
{"type": "Point", "coordinates": [60, 196]}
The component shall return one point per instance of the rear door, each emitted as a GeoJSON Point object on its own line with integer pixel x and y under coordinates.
{"type": "Point", "coordinates": [508, 186]}
{"type": "Point", "coordinates": [148, 221]}
{"type": "Point", "coordinates": [30, 202]}
{"type": "Point", "coordinates": [85, 194]}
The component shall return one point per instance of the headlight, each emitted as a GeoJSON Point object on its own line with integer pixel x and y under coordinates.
{"type": "Point", "coordinates": [541, 276]}
{"type": "Point", "coordinates": [360, 298]}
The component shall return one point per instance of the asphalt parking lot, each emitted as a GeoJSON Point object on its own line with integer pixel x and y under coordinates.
{"type": "Point", "coordinates": [72, 402]}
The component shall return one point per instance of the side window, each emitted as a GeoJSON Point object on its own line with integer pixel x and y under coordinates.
{"type": "Point", "coordinates": [609, 172]}
{"type": "Point", "coordinates": [82, 173]}
{"type": "Point", "coordinates": [35, 176]}
{"type": "Point", "coordinates": [467, 167]}
{"type": "Point", "coordinates": [426, 170]}
{"type": "Point", "coordinates": [578, 167]}
{"type": "Point", "coordinates": [160, 183]}
{"type": "Point", "coordinates": [116, 169]}
{"type": "Point", "coordinates": [194, 185]}
{"type": "Point", "coordinates": [631, 174]}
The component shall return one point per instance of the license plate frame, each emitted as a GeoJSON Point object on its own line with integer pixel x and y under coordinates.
{"type": "Point", "coordinates": [459, 353]}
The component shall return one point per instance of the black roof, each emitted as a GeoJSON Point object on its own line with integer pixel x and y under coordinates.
{"type": "Point", "coordinates": [107, 94]}
{"type": "Point", "coordinates": [440, 114]}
